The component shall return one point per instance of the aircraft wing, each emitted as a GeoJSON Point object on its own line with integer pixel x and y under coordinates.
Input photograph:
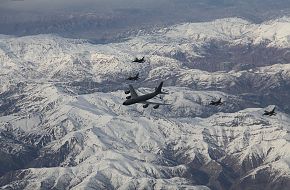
{"type": "Point", "coordinates": [154, 103]}
{"type": "Point", "coordinates": [133, 92]}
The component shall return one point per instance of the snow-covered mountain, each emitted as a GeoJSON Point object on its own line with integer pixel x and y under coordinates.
{"type": "Point", "coordinates": [63, 125]}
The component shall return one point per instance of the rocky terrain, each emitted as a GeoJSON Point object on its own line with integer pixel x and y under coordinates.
{"type": "Point", "coordinates": [63, 125]}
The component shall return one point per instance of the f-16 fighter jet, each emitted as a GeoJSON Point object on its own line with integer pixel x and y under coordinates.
{"type": "Point", "coordinates": [270, 113]}
{"type": "Point", "coordinates": [136, 77]}
{"type": "Point", "coordinates": [216, 103]}
{"type": "Point", "coordinates": [136, 60]}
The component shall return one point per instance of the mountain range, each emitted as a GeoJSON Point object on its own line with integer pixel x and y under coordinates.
{"type": "Point", "coordinates": [63, 125]}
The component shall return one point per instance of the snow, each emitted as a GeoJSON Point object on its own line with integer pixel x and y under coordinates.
{"type": "Point", "coordinates": [92, 141]}
{"type": "Point", "coordinates": [111, 143]}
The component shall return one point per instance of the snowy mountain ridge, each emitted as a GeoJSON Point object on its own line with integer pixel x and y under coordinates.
{"type": "Point", "coordinates": [234, 30]}
{"type": "Point", "coordinates": [63, 125]}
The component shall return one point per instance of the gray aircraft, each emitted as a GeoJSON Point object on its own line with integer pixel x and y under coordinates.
{"type": "Point", "coordinates": [136, 60]}
{"type": "Point", "coordinates": [136, 77]}
{"type": "Point", "coordinates": [270, 113]}
{"type": "Point", "coordinates": [134, 98]}
{"type": "Point", "coordinates": [216, 103]}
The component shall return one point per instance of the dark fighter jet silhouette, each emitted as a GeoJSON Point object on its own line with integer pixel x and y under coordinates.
{"type": "Point", "coordinates": [136, 77]}
{"type": "Point", "coordinates": [270, 113]}
{"type": "Point", "coordinates": [136, 60]}
{"type": "Point", "coordinates": [216, 103]}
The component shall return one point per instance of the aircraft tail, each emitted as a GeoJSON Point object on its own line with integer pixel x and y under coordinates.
{"type": "Point", "coordinates": [158, 89]}
{"type": "Point", "coordinates": [274, 109]}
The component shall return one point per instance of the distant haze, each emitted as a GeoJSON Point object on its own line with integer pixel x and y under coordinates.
{"type": "Point", "coordinates": [106, 19]}
{"type": "Point", "coordinates": [75, 5]}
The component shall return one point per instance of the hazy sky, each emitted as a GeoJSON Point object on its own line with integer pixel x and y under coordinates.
{"type": "Point", "coordinates": [51, 6]}
{"type": "Point", "coordinates": [27, 17]}
{"type": "Point", "coordinates": [56, 5]}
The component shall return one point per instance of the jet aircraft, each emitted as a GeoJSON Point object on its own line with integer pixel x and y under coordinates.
{"type": "Point", "coordinates": [134, 98]}
{"type": "Point", "coordinates": [216, 103]}
{"type": "Point", "coordinates": [136, 60]}
{"type": "Point", "coordinates": [270, 113]}
{"type": "Point", "coordinates": [136, 77]}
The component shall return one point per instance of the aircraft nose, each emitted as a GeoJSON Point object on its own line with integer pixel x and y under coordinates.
{"type": "Point", "coordinates": [125, 103]}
